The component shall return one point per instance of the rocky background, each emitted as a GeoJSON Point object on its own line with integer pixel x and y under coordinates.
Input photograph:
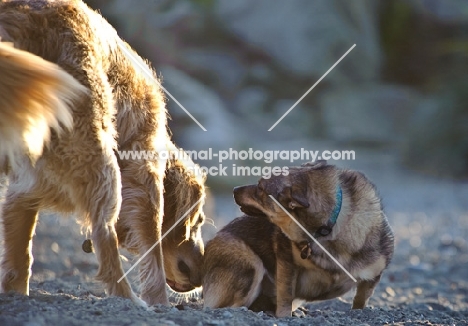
{"type": "Point", "coordinates": [237, 66]}
{"type": "Point", "coordinates": [399, 100]}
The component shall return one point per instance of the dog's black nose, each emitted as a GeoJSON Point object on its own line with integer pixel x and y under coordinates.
{"type": "Point", "coordinates": [236, 190]}
{"type": "Point", "coordinates": [237, 194]}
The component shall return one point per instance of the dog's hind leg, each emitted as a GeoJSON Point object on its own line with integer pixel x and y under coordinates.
{"type": "Point", "coordinates": [233, 273]}
{"type": "Point", "coordinates": [237, 286]}
{"type": "Point", "coordinates": [364, 291]}
{"type": "Point", "coordinates": [19, 219]}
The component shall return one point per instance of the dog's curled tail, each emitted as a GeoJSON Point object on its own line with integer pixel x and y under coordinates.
{"type": "Point", "coordinates": [35, 95]}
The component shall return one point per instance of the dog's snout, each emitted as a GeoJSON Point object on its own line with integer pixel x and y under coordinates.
{"type": "Point", "coordinates": [237, 194]}
{"type": "Point", "coordinates": [237, 190]}
{"type": "Point", "coordinates": [241, 192]}
{"type": "Point", "coordinates": [193, 274]}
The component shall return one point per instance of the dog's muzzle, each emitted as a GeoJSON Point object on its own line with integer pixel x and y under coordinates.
{"type": "Point", "coordinates": [243, 196]}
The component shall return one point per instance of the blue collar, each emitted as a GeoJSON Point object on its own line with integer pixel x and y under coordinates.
{"type": "Point", "coordinates": [337, 209]}
{"type": "Point", "coordinates": [326, 229]}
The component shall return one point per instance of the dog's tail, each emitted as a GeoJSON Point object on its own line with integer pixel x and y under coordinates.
{"type": "Point", "coordinates": [35, 95]}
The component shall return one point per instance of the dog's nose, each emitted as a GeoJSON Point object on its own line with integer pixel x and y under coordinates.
{"type": "Point", "coordinates": [242, 193]}
{"type": "Point", "coordinates": [237, 193]}
{"type": "Point", "coordinates": [236, 190]}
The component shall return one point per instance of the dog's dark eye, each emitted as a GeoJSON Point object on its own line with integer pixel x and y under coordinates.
{"type": "Point", "coordinates": [323, 231]}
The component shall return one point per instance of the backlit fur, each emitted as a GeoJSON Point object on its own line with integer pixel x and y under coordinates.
{"type": "Point", "coordinates": [67, 71]}
{"type": "Point", "coordinates": [184, 244]}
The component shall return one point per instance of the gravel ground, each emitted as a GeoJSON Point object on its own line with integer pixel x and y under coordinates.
{"type": "Point", "coordinates": [426, 284]}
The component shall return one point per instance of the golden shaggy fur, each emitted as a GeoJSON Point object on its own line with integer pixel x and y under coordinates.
{"type": "Point", "coordinates": [90, 92]}
{"type": "Point", "coordinates": [183, 246]}
{"type": "Point", "coordinates": [25, 121]}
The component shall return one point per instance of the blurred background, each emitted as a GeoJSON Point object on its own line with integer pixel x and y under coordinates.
{"type": "Point", "coordinates": [399, 99]}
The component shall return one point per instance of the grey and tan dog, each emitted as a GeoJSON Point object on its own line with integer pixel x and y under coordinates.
{"type": "Point", "coordinates": [264, 261]}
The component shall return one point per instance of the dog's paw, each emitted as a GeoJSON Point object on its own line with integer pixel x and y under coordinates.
{"type": "Point", "coordinates": [281, 313]}
{"type": "Point", "coordinates": [139, 302]}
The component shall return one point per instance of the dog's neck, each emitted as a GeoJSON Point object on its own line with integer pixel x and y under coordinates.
{"type": "Point", "coordinates": [305, 246]}
{"type": "Point", "coordinates": [327, 229]}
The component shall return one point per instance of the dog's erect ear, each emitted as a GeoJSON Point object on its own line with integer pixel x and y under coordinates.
{"type": "Point", "coordinates": [315, 165]}
{"type": "Point", "coordinates": [294, 198]}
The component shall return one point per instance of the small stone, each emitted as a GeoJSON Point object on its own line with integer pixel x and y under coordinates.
{"type": "Point", "coordinates": [55, 247]}
{"type": "Point", "coordinates": [298, 313]}
{"type": "Point", "coordinates": [390, 291]}
{"type": "Point", "coordinates": [227, 314]}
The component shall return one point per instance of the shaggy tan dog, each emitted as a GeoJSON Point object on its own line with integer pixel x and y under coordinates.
{"type": "Point", "coordinates": [89, 92]}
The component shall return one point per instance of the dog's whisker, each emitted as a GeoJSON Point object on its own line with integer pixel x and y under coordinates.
{"type": "Point", "coordinates": [183, 297]}
{"type": "Point", "coordinates": [211, 222]}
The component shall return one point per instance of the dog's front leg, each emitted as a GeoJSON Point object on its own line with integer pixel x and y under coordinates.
{"type": "Point", "coordinates": [141, 215]}
{"type": "Point", "coordinates": [364, 291]}
{"type": "Point", "coordinates": [286, 276]}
